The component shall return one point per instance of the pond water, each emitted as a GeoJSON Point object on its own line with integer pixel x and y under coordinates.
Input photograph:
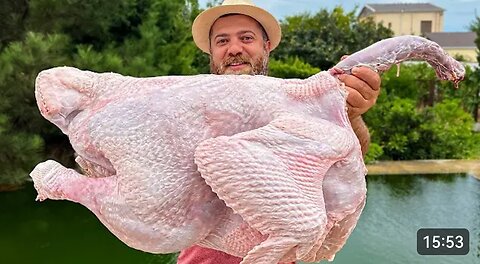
{"type": "Point", "coordinates": [399, 205]}
{"type": "Point", "coordinates": [61, 232]}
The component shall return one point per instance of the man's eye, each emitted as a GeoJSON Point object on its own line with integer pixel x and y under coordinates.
{"type": "Point", "coordinates": [247, 38]}
{"type": "Point", "coordinates": [221, 41]}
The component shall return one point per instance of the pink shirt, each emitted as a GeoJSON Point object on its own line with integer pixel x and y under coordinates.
{"type": "Point", "coordinates": [200, 255]}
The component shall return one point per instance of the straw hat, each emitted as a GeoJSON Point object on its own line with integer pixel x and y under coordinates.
{"type": "Point", "coordinates": [204, 21]}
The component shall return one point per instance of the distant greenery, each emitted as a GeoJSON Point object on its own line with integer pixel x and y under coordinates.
{"type": "Point", "coordinates": [420, 117]}
{"type": "Point", "coordinates": [291, 68]}
{"type": "Point", "coordinates": [153, 37]}
{"type": "Point", "coordinates": [27, 138]}
{"type": "Point", "coordinates": [139, 37]}
{"type": "Point", "coordinates": [321, 39]}
{"type": "Point", "coordinates": [13, 15]}
{"type": "Point", "coordinates": [475, 27]}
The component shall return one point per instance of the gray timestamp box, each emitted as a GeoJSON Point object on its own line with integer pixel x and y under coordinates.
{"type": "Point", "coordinates": [443, 241]}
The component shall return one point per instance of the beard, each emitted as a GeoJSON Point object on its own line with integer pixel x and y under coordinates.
{"type": "Point", "coordinates": [257, 66]}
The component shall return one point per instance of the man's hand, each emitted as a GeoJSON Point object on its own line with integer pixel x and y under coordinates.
{"type": "Point", "coordinates": [363, 87]}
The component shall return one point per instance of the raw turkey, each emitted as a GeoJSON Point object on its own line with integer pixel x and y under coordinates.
{"type": "Point", "coordinates": [262, 168]}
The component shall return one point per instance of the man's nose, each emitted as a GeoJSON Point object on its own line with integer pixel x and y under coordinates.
{"type": "Point", "coordinates": [235, 48]}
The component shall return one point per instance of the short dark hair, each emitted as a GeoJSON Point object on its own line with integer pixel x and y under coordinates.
{"type": "Point", "coordinates": [264, 32]}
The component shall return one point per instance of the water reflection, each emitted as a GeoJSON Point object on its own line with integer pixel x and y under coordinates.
{"type": "Point", "coordinates": [408, 185]}
{"type": "Point", "coordinates": [58, 232]}
{"type": "Point", "coordinates": [399, 205]}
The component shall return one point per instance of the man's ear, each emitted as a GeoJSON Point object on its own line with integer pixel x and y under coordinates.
{"type": "Point", "coordinates": [268, 46]}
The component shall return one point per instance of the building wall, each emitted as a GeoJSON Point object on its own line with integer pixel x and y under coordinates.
{"type": "Point", "coordinates": [409, 23]}
{"type": "Point", "coordinates": [469, 54]}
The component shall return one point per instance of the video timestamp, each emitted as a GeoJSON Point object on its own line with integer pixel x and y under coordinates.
{"type": "Point", "coordinates": [443, 241]}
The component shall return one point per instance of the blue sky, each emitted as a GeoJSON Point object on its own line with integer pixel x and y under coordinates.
{"type": "Point", "coordinates": [459, 14]}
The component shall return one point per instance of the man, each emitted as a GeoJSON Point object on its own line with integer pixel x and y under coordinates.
{"type": "Point", "coordinates": [239, 37]}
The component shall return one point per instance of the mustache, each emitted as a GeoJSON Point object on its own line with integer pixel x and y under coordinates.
{"type": "Point", "coordinates": [237, 59]}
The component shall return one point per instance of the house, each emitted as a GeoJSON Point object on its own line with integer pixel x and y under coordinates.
{"type": "Point", "coordinates": [457, 44]}
{"type": "Point", "coordinates": [406, 18]}
{"type": "Point", "coordinates": [423, 19]}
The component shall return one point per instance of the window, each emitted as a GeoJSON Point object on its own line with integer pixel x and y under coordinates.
{"type": "Point", "coordinates": [425, 26]}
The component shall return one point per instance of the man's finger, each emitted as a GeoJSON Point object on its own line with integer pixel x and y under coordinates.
{"type": "Point", "coordinates": [367, 75]}
{"type": "Point", "coordinates": [361, 87]}
{"type": "Point", "coordinates": [355, 99]}
{"type": "Point", "coordinates": [353, 111]}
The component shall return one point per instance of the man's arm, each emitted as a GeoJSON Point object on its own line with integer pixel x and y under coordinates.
{"type": "Point", "coordinates": [363, 87]}
{"type": "Point", "coordinates": [361, 130]}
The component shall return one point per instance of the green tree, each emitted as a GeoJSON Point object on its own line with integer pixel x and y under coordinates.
{"type": "Point", "coordinates": [140, 38]}
{"type": "Point", "coordinates": [13, 14]}
{"type": "Point", "coordinates": [446, 132]}
{"type": "Point", "coordinates": [291, 68]}
{"type": "Point", "coordinates": [162, 44]}
{"type": "Point", "coordinates": [20, 151]}
{"type": "Point", "coordinates": [403, 131]}
{"type": "Point", "coordinates": [410, 121]}
{"type": "Point", "coordinates": [321, 39]}
{"type": "Point", "coordinates": [93, 22]}
{"type": "Point", "coordinates": [475, 27]}
{"type": "Point", "coordinates": [416, 81]}
{"type": "Point", "coordinates": [393, 126]}
{"type": "Point", "coordinates": [23, 131]}
{"type": "Point", "coordinates": [468, 92]}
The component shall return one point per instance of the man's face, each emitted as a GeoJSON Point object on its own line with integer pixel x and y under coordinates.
{"type": "Point", "coordinates": [237, 46]}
